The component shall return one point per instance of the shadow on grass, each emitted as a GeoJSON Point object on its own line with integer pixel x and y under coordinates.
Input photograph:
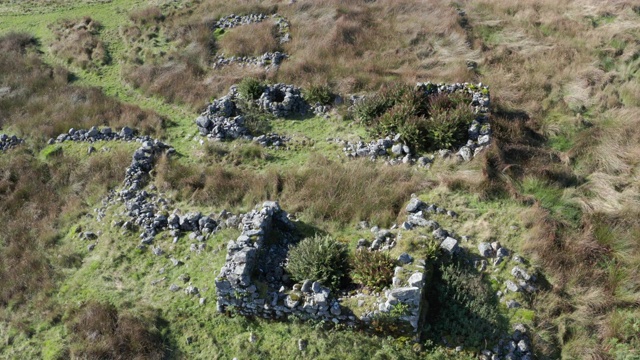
{"type": "Point", "coordinates": [463, 310]}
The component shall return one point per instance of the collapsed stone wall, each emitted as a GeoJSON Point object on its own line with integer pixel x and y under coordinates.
{"type": "Point", "coordinates": [252, 281]}
{"type": "Point", "coordinates": [9, 142]}
{"type": "Point", "coordinates": [223, 119]}
{"type": "Point", "coordinates": [267, 60]}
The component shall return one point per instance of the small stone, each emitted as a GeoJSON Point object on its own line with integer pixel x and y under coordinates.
{"type": "Point", "coordinates": [174, 287]}
{"type": "Point", "coordinates": [203, 300]}
{"type": "Point", "coordinates": [405, 258]}
{"type": "Point", "coordinates": [306, 286]}
{"type": "Point", "coordinates": [415, 205]}
{"type": "Point", "coordinates": [450, 245]}
{"type": "Point", "coordinates": [485, 249]}
{"type": "Point", "coordinates": [511, 286]}
{"type": "Point", "coordinates": [417, 279]}
{"type": "Point", "coordinates": [396, 149]}
{"type": "Point", "coordinates": [302, 344]}
{"type": "Point", "coordinates": [512, 304]}
{"type": "Point", "coordinates": [91, 247]}
{"type": "Point", "coordinates": [523, 346]}
{"type": "Point", "coordinates": [520, 273]}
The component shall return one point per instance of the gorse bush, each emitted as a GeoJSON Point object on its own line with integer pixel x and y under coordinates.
{"type": "Point", "coordinates": [318, 258]}
{"type": "Point", "coordinates": [424, 122]}
{"type": "Point", "coordinates": [318, 94]}
{"type": "Point", "coordinates": [373, 269]}
{"type": "Point", "coordinates": [250, 88]}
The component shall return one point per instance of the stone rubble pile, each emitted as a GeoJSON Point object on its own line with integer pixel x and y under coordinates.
{"type": "Point", "coordinates": [95, 134]}
{"type": "Point", "coordinates": [516, 346]}
{"type": "Point", "coordinates": [390, 148]}
{"type": "Point", "coordinates": [8, 142]}
{"type": "Point", "coordinates": [394, 151]}
{"type": "Point", "coordinates": [267, 60]}
{"type": "Point", "coordinates": [234, 20]}
{"type": "Point", "coordinates": [223, 120]}
{"type": "Point", "coordinates": [282, 100]}
{"type": "Point", "coordinates": [250, 261]}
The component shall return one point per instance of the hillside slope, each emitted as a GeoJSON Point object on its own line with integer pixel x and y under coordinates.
{"type": "Point", "coordinates": [88, 256]}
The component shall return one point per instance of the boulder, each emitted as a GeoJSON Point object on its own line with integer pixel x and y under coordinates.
{"type": "Point", "coordinates": [485, 249]}
{"type": "Point", "coordinates": [416, 280]}
{"type": "Point", "coordinates": [450, 245]}
{"type": "Point", "coordinates": [415, 205]}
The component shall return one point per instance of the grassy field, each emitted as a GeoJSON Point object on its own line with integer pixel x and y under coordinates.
{"type": "Point", "coordinates": [557, 186]}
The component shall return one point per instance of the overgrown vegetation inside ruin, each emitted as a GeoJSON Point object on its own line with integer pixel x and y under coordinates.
{"type": "Point", "coordinates": [557, 184]}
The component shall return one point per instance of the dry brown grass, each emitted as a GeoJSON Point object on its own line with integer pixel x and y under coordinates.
{"type": "Point", "coordinates": [100, 331]}
{"type": "Point", "coordinates": [322, 190]}
{"type": "Point", "coordinates": [250, 40]}
{"type": "Point", "coordinates": [77, 42]}
{"type": "Point", "coordinates": [43, 104]}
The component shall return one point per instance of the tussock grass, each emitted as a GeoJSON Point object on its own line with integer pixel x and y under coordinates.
{"type": "Point", "coordinates": [101, 331]}
{"type": "Point", "coordinates": [77, 42]}
{"type": "Point", "coordinates": [322, 190]}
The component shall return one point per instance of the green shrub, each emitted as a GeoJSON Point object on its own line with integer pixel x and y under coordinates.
{"type": "Point", "coordinates": [373, 269]}
{"type": "Point", "coordinates": [318, 94]}
{"type": "Point", "coordinates": [466, 311]}
{"type": "Point", "coordinates": [371, 108]}
{"type": "Point", "coordinates": [424, 122]}
{"type": "Point", "coordinates": [250, 88]}
{"type": "Point", "coordinates": [448, 126]}
{"type": "Point", "coordinates": [319, 258]}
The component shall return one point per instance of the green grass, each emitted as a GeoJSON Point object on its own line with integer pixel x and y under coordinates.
{"type": "Point", "coordinates": [553, 199]}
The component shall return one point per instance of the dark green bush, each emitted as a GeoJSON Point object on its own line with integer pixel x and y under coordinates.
{"type": "Point", "coordinates": [449, 121]}
{"type": "Point", "coordinates": [466, 311]}
{"type": "Point", "coordinates": [319, 258]}
{"type": "Point", "coordinates": [424, 122]}
{"type": "Point", "coordinates": [250, 88]}
{"type": "Point", "coordinates": [318, 94]}
{"type": "Point", "coordinates": [373, 269]}
{"type": "Point", "coordinates": [372, 107]}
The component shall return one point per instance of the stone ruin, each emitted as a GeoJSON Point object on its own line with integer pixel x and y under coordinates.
{"type": "Point", "coordinates": [252, 281]}
{"type": "Point", "coordinates": [268, 59]}
{"type": "Point", "coordinates": [223, 119]}
{"type": "Point", "coordinates": [395, 152]}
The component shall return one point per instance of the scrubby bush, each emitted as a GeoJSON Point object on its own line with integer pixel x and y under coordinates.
{"type": "Point", "coordinates": [318, 258]}
{"type": "Point", "coordinates": [250, 88]}
{"type": "Point", "coordinates": [450, 116]}
{"type": "Point", "coordinates": [250, 40]}
{"type": "Point", "coordinates": [373, 269]}
{"type": "Point", "coordinates": [424, 122]}
{"type": "Point", "coordinates": [77, 42]}
{"type": "Point", "coordinates": [318, 94]}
